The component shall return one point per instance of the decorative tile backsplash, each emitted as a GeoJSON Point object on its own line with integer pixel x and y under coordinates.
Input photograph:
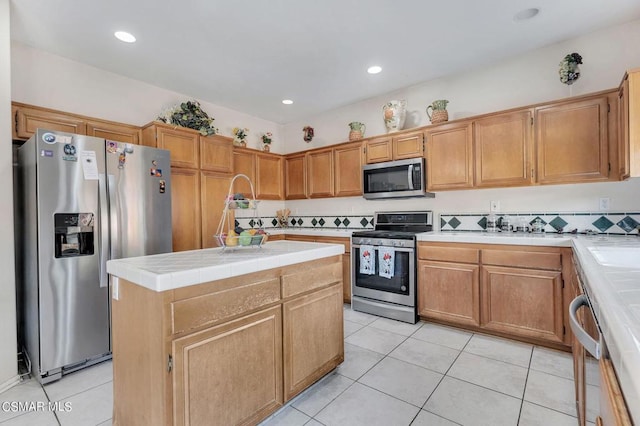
{"type": "Point", "coordinates": [602, 223]}
{"type": "Point", "coordinates": [314, 222]}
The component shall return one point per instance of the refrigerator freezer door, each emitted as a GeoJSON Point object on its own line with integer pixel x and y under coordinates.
{"type": "Point", "coordinates": [74, 308]}
{"type": "Point", "coordinates": [140, 200]}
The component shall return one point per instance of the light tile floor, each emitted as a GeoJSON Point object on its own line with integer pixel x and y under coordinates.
{"type": "Point", "coordinates": [394, 374]}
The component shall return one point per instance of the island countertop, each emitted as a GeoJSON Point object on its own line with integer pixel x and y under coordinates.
{"type": "Point", "coordinates": [169, 271]}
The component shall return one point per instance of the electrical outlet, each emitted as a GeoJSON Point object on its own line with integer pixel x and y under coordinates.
{"type": "Point", "coordinates": [494, 206]}
{"type": "Point", "coordinates": [605, 203]}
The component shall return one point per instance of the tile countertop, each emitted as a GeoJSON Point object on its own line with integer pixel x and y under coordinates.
{"type": "Point", "coordinates": [611, 275]}
{"type": "Point", "coordinates": [168, 271]}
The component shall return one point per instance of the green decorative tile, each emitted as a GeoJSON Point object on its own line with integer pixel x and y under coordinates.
{"type": "Point", "coordinates": [629, 224]}
{"type": "Point", "coordinates": [454, 222]}
{"type": "Point", "coordinates": [603, 224]}
{"type": "Point", "coordinates": [558, 223]}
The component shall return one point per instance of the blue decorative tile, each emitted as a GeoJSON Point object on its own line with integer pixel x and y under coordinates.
{"type": "Point", "coordinates": [337, 222]}
{"type": "Point", "coordinates": [321, 222]}
{"type": "Point", "coordinates": [603, 224]}
{"type": "Point", "coordinates": [629, 224]}
{"type": "Point", "coordinates": [483, 223]}
{"type": "Point", "coordinates": [558, 223]}
{"type": "Point", "coordinates": [537, 217]}
{"type": "Point", "coordinates": [454, 222]}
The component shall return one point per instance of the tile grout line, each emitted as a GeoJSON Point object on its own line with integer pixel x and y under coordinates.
{"type": "Point", "coordinates": [524, 391]}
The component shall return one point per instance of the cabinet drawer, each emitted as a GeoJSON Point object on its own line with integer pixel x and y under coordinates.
{"type": "Point", "coordinates": [213, 307]}
{"type": "Point", "coordinates": [449, 254]}
{"type": "Point", "coordinates": [311, 279]}
{"type": "Point", "coordinates": [523, 259]}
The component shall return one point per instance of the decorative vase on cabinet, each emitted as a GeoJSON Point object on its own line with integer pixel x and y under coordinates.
{"type": "Point", "coordinates": [357, 130]}
{"type": "Point", "coordinates": [394, 115]}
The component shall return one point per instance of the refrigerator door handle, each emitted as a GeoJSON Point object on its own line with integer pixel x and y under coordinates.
{"type": "Point", "coordinates": [114, 208]}
{"type": "Point", "coordinates": [103, 234]}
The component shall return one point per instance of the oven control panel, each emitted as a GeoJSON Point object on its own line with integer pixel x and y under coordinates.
{"type": "Point", "coordinates": [381, 242]}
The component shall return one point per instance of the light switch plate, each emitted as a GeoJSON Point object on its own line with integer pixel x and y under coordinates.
{"type": "Point", "coordinates": [494, 206]}
{"type": "Point", "coordinates": [605, 204]}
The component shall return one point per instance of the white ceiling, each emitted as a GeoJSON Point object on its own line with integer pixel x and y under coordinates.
{"type": "Point", "coordinates": [248, 55]}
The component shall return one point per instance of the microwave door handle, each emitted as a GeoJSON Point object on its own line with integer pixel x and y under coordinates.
{"type": "Point", "coordinates": [583, 337]}
{"type": "Point", "coordinates": [410, 176]}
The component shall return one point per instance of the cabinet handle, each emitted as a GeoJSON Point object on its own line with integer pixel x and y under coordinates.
{"type": "Point", "coordinates": [593, 347]}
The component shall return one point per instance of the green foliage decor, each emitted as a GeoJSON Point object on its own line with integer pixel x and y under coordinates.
{"type": "Point", "coordinates": [189, 114]}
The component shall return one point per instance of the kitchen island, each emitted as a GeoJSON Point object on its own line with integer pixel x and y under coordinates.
{"type": "Point", "coordinates": [223, 337]}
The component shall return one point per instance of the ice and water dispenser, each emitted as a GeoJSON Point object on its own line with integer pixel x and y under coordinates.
{"type": "Point", "coordinates": [74, 234]}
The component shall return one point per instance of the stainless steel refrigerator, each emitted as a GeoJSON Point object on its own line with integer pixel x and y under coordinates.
{"type": "Point", "coordinates": [83, 200]}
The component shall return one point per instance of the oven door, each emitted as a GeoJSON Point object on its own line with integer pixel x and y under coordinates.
{"type": "Point", "coordinates": [399, 289]}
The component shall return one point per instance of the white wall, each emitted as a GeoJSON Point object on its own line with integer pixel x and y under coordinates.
{"type": "Point", "coordinates": [529, 78]}
{"type": "Point", "coordinates": [8, 343]}
{"type": "Point", "coordinates": [47, 80]}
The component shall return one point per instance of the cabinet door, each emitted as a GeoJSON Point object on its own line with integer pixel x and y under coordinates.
{"type": "Point", "coordinates": [31, 119]}
{"type": "Point", "coordinates": [503, 149]}
{"type": "Point", "coordinates": [572, 141]}
{"type": "Point", "coordinates": [229, 374]}
{"type": "Point", "coordinates": [449, 157]}
{"type": "Point", "coordinates": [185, 209]}
{"type": "Point", "coordinates": [114, 132]}
{"type": "Point", "coordinates": [408, 145]}
{"type": "Point", "coordinates": [269, 177]}
{"type": "Point", "coordinates": [629, 125]}
{"type": "Point", "coordinates": [624, 154]}
{"type": "Point", "coordinates": [320, 173]}
{"type": "Point", "coordinates": [523, 302]}
{"type": "Point", "coordinates": [313, 338]}
{"type": "Point", "coordinates": [215, 188]}
{"type": "Point", "coordinates": [14, 122]}
{"type": "Point", "coordinates": [295, 179]}
{"type": "Point", "coordinates": [244, 161]}
{"type": "Point", "coordinates": [346, 278]}
{"type": "Point", "coordinates": [449, 292]}
{"type": "Point", "coordinates": [613, 410]}
{"type": "Point", "coordinates": [348, 170]}
{"type": "Point", "coordinates": [183, 145]}
{"type": "Point", "coordinates": [378, 150]}
{"type": "Point", "coordinates": [216, 154]}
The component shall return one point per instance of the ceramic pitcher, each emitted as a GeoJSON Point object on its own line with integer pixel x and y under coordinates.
{"type": "Point", "coordinates": [394, 115]}
{"type": "Point", "coordinates": [439, 111]}
{"type": "Point", "coordinates": [357, 130]}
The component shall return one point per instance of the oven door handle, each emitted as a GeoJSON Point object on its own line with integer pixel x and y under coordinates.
{"type": "Point", "coordinates": [593, 347]}
{"type": "Point", "coordinates": [402, 249]}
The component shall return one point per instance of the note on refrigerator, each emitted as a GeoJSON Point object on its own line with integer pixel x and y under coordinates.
{"type": "Point", "coordinates": [89, 165]}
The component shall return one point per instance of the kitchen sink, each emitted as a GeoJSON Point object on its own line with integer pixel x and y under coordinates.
{"type": "Point", "coordinates": [621, 257]}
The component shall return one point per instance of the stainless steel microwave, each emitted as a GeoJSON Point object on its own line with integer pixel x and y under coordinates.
{"type": "Point", "coordinates": [395, 179]}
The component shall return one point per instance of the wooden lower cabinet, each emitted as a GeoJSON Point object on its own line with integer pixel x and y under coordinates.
{"type": "Point", "coordinates": [613, 410]}
{"type": "Point", "coordinates": [512, 291]}
{"type": "Point", "coordinates": [449, 292]}
{"type": "Point", "coordinates": [523, 302]}
{"type": "Point", "coordinates": [306, 356]}
{"type": "Point", "coordinates": [247, 353]}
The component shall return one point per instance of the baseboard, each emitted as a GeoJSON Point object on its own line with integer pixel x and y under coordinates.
{"type": "Point", "coordinates": [9, 383]}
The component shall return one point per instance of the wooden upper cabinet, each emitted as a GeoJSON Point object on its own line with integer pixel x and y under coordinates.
{"type": "Point", "coordinates": [269, 179]}
{"type": "Point", "coordinates": [573, 141]}
{"type": "Point", "coordinates": [184, 144]}
{"type": "Point", "coordinates": [14, 122]}
{"type": "Point", "coordinates": [629, 125]}
{"type": "Point", "coordinates": [320, 173]}
{"type": "Point", "coordinates": [295, 171]}
{"type": "Point", "coordinates": [244, 162]}
{"type": "Point", "coordinates": [408, 145]}
{"type": "Point", "coordinates": [348, 169]}
{"type": "Point", "coordinates": [31, 119]}
{"type": "Point", "coordinates": [378, 150]}
{"type": "Point", "coordinates": [503, 149]}
{"type": "Point", "coordinates": [449, 154]}
{"type": "Point", "coordinates": [216, 153]}
{"type": "Point", "coordinates": [114, 132]}
{"type": "Point", "coordinates": [185, 209]}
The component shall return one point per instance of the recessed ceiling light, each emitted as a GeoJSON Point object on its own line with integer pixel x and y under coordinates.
{"type": "Point", "coordinates": [526, 14]}
{"type": "Point", "coordinates": [125, 36]}
{"type": "Point", "coordinates": [287, 101]}
{"type": "Point", "coordinates": [374, 69]}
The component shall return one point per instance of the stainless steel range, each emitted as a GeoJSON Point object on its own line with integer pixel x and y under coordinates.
{"type": "Point", "coordinates": [383, 265]}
